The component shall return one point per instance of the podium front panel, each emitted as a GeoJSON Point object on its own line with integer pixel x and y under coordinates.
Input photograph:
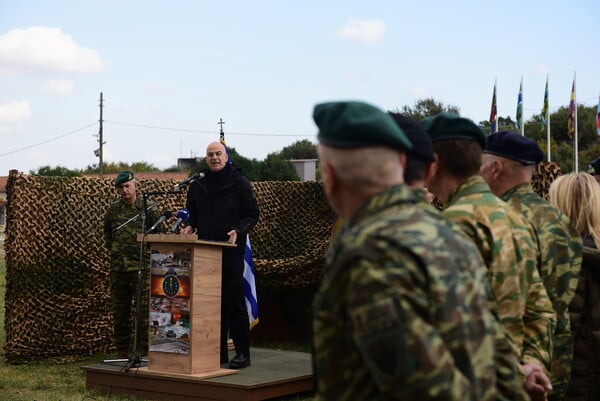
{"type": "Point", "coordinates": [185, 307]}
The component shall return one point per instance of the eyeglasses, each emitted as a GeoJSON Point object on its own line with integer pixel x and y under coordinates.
{"type": "Point", "coordinates": [211, 154]}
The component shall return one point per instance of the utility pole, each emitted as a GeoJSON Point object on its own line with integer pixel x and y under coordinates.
{"type": "Point", "coordinates": [98, 152]}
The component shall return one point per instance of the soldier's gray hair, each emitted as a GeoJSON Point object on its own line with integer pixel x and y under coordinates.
{"type": "Point", "coordinates": [365, 168]}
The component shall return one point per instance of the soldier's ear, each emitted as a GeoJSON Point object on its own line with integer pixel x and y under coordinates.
{"type": "Point", "coordinates": [497, 168]}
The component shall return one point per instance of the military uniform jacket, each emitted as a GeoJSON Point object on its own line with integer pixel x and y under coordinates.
{"type": "Point", "coordinates": [507, 243]}
{"type": "Point", "coordinates": [401, 311]}
{"type": "Point", "coordinates": [509, 379]}
{"type": "Point", "coordinates": [122, 243]}
{"type": "Point", "coordinates": [560, 252]}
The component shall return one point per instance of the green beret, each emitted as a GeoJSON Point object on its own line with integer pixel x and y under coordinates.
{"type": "Point", "coordinates": [357, 125]}
{"type": "Point", "coordinates": [445, 126]}
{"type": "Point", "coordinates": [122, 177]}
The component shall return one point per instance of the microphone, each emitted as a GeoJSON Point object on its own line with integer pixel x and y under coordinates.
{"type": "Point", "coordinates": [182, 216]}
{"type": "Point", "coordinates": [189, 180]}
{"type": "Point", "coordinates": [160, 220]}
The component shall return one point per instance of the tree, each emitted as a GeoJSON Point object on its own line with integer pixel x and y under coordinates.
{"type": "Point", "coordinates": [58, 171]}
{"type": "Point", "coordinates": [562, 145]}
{"type": "Point", "coordinates": [425, 108]}
{"type": "Point", "coordinates": [303, 149]}
{"type": "Point", "coordinates": [112, 167]}
{"type": "Point", "coordinates": [276, 168]}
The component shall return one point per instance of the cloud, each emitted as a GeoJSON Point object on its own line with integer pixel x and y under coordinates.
{"type": "Point", "coordinates": [368, 33]}
{"type": "Point", "coordinates": [60, 87]}
{"type": "Point", "coordinates": [14, 112]}
{"type": "Point", "coordinates": [45, 49]}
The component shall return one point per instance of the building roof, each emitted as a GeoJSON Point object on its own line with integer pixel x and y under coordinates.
{"type": "Point", "coordinates": [3, 182]}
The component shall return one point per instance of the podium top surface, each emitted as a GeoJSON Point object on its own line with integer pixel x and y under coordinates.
{"type": "Point", "coordinates": [181, 238]}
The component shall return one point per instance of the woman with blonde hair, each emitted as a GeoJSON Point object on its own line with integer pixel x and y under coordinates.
{"type": "Point", "coordinates": [578, 196]}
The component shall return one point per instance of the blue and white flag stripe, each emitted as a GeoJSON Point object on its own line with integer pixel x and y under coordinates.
{"type": "Point", "coordinates": [250, 285]}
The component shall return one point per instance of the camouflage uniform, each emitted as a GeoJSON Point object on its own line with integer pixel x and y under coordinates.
{"type": "Point", "coordinates": [509, 379]}
{"type": "Point", "coordinates": [124, 250]}
{"type": "Point", "coordinates": [401, 313]}
{"type": "Point", "coordinates": [560, 260]}
{"type": "Point", "coordinates": [507, 243]}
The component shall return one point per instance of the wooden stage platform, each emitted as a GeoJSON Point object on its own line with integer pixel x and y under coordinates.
{"type": "Point", "coordinates": [272, 374]}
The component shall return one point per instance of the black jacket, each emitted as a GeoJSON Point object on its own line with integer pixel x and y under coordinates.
{"type": "Point", "coordinates": [584, 311]}
{"type": "Point", "coordinates": [221, 202]}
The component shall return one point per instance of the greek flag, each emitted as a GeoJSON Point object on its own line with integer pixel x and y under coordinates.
{"type": "Point", "coordinates": [250, 285]}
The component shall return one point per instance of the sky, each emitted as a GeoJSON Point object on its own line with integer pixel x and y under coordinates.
{"type": "Point", "coordinates": [169, 71]}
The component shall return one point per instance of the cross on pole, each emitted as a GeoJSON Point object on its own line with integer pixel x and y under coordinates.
{"type": "Point", "coordinates": [221, 122]}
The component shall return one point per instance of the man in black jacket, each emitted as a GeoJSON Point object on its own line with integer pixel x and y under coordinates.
{"type": "Point", "coordinates": [223, 207]}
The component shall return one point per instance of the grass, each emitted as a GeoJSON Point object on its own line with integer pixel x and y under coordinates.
{"type": "Point", "coordinates": [49, 381]}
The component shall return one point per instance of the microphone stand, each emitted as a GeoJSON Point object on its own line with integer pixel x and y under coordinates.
{"type": "Point", "coordinates": [135, 360]}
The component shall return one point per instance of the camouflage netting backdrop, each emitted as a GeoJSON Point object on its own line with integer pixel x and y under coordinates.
{"type": "Point", "coordinates": [57, 279]}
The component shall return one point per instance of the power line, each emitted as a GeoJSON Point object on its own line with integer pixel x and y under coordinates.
{"type": "Point", "coordinates": [48, 140]}
{"type": "Point", "coordinates": [202, 131]}
{"type": "Point", "coordinates": [151, 127]}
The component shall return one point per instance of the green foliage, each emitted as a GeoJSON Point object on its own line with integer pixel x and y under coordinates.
{"type": "Point", "coordinates": [58, 171]}
{"type": "Point", "coordinates": [562, 145]}
{"type": "Point", "coordinates": [504, 124]}
{"type": "Point", "coordinates": [303, 149]}
{"type": "Point", "coordinates": [425, 108]}
{"type": "Point", "coordinates": [277, 168]}
{"type": "Point", "coordinates": [250, 167]}
{"type": "Point", "coordinates": [273, 168]}
{"type": "Point", "coordinates": [112, 167]}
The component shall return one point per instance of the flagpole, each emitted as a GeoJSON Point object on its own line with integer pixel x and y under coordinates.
{"type": "Point", "coordinates": [575, 114]}
{"type": "Point", "coordinates": [521, 124]}
{"type": "Point", "coordinates": [548, 133]}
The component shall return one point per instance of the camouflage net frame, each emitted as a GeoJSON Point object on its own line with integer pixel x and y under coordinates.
{"type": "Point", "coordinates": [57, 299]}
{"type": "Point", "coordinates": [543, 175]}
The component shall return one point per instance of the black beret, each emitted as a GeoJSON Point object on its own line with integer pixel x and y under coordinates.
{"type": "Point", "coordinates": [514, 146]}
{"type": "Point", "coordinates": [422, 146]}
{"type": "Point", "coordinates": [446, 125]}
{"type": "Point", "coordinates": [594, 167]}
{"type": "Point", "coordinates": [122, 177]}
{"type": "Point", "coordinates": [353, 124]}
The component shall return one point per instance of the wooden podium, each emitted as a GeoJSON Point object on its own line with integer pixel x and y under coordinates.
{"type": "Point", "coordinates": [185, 304]}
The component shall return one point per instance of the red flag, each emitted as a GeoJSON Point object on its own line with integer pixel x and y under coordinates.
{"type": "Point", "coordinates": [494, 114]}
{"type": "Point", "coordinates": [571, 116]}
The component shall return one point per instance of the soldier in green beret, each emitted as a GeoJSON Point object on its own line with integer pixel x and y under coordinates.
{"type": "Point", "coordinates": [507, 165]}
{"type": "Point", "coordinates": [419, 168]}
{"type": "Point", "coordinates": [401, 312]}
{"type": "Point", "coordinates": [504, 238]}
{"type": "Point", "coordinates": [122, 224]}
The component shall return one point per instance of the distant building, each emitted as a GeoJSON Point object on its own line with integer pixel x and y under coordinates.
{"type": "Point", "coordinates": [187, 163]}
{"type": "Point", "coordinates": [306, 169]}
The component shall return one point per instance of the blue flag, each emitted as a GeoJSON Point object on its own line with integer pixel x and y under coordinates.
{"type": "Point", "coordinates": [249, 282]}
{"type": "Point", "coordinates": [250, 285]}
{"type": "Point", "coordinates": [520, 106]}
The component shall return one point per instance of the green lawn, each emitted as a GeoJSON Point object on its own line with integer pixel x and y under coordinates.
{"type": "Point", "coordinates": [47, 381]}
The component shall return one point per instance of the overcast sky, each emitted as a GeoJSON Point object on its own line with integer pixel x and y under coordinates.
{"type": "Point", "coordinates": [169, 70]}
